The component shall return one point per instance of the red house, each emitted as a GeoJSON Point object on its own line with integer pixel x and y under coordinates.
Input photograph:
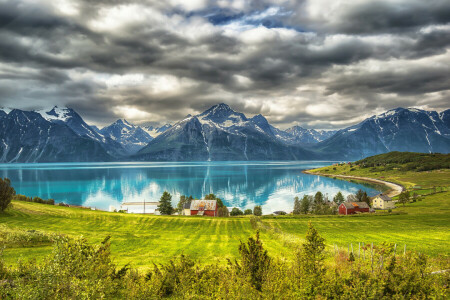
{"type": "Point", "coordinates": [204, 208]}
{"type": "Point", "coordinates": [351, 208]}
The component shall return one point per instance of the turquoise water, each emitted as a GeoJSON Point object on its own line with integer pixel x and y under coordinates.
{"type": "Point", "coordinates": [242, 184]}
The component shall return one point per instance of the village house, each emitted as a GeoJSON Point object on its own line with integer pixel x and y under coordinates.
{"type": "Point", "coordinates": [382, 202]}
{"type": "Point", "coordinates": [351, 208]}
{"type": "Point", "coordinates": [203, 208]}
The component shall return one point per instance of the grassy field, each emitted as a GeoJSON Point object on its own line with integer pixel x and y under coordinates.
{"type": "Point", "coordinates": [142, 240]}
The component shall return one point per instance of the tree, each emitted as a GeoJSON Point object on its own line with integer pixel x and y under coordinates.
{"type": "Point", "coordinates": [297, 207]}
{"type": "Point", "coordinates": [361, 196]}
{"type": "Point", "coordinates": [248, 211]}
{"type": "Point", "coordinates": [236, 212]}
{"type": "Point", "coordinates": [403, 197]}
{"type": "Point", "coordinates": [255, 261]}
{"type": "Point", "coordinates": [365, 198]}
{"type": "Point", "coordinates": [318, 198]}
{"type": "Point", "coordinates": [339, 198]}
{"type": "Point", "coordinates": [223, 212]}
{"type": "Point", "coordinates": [165, 204]}
{"type": "Point", "coordinates": [7, 192]}
{"type": "Point", "coordinates": [310, 259]}
{"type": "Point", "coordinates": [305, 204]}
{"type": "Point", "coordinates": [182, 202]}
{"type": "Point", "coordinates": [257, 211]}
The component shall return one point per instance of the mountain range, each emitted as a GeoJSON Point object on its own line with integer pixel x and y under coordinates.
{"type": "Point", "coordinates": [219, 133]}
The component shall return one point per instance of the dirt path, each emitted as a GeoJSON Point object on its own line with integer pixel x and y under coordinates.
{"type": "Point", "coordinates": [394, 188]}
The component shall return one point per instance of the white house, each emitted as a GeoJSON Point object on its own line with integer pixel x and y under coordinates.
{"type": "Point", "coordinates": [382, 202]}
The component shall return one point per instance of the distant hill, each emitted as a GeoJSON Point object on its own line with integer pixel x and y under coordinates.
{"type": "Point", "coordinates": [408, 161]}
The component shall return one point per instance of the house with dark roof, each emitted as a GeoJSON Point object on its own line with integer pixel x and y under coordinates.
{"type": "Point", "coordinates": [382, 202]}
{"type": "Point", "coordinates": [351, 208]}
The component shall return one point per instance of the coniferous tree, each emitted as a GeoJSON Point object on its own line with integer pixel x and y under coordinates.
{"type": "Point", "coordinates": [255, 261]}
{"type": "Point", "coordinates": [7, 192]}
{"type": "Point", "coordinates": [339, 198]}
{"type": "Point", "coordinates": [305, 204]}
{"type": "Point", "coordinates": [165, 204]}
{"type": "Point", "coordinates": [297, 207]}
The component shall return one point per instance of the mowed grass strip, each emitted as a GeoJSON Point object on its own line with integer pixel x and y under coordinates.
{"type": "Point", "coordinates": [136, 239]}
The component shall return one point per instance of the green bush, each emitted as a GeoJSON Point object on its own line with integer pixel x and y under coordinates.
{"type": "Point", "coordinates": [79, 270]}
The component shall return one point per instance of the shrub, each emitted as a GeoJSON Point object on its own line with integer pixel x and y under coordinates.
{"type": "Point", "coordinates": [7, 192]}
{"type": "Point", "coordinates": [236, 212]}
{"type": "Point", "coordinates": [255, 261]}
{"type": "Point", "coordinates": [248, 211]}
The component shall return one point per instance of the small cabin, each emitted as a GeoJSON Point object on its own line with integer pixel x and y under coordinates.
{"type": "Point", "coordinates": [203, 208]}
{"type": "Point", "coordinates": [382, 202]}
{"type": "Point", "coordinates": [351, 208]}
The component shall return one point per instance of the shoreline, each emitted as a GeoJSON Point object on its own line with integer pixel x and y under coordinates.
{"type": "Point", "coordinates": [394, 188]}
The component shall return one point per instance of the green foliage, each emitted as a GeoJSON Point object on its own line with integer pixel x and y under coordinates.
{"type": "Point", "coordinates": [257, 210]}
{"type": "Point", "coordinates": [339, 198]}
{"type": "Point", "coordinates": [165, 204]}
{"type": "Point", "coordinates": [318, 198]}
{"type": "Point", "coordinates": [408, 161]}
{"type": "Point", "coordinates": [223, 212]}
{"type": "Point", "coordinates": [361, 196]}
{"type": "Point", "coordinates": [255, 261]}
{"type": "Point", "coordinates": [248, 211]}
{"type": "Point", "coordinates": [79, 270]}
{"type": "Point", "coordinates": [305, 204]}
{"type": "Point", "coordinates": [403, 198]}
{"type": "Point", "coordinates": [6, 193]}
{"type": "Point", "coordinates": [297, 207]}
{"type": "Point", "coordinates": [33, 199]}
{"type": "Point", "coordinates": [182, 202]}
{"type": "Point", "coordinates": [236, 212]}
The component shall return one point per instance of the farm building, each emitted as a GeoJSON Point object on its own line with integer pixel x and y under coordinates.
{"type": "Point", "coordinates": [203, 208]}
{"type": "Point", "coordinates": [382, 202]}
{"type": "Point", "coordinates": [186, 209]}
{"type": "Point", "coordinates": [140, 207]}
{"type": "Point", "coordinates": [351, 208]}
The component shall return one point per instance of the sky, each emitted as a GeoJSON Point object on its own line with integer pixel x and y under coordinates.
{"type": "Point", "coordinates": [321, 64]}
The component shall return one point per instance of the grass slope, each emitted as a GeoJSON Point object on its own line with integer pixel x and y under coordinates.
{"type": "Point", "coordinates": [143, 240]}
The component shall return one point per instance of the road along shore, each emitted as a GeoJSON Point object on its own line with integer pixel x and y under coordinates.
{"type": "Point", "coordinates": [394, 188]}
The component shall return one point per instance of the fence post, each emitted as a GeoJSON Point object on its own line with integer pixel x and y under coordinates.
{"type": "Point", "coordinates": [359, 250]}
{"type": "Point", "coordinates": [352, 247]}
{"type": "Point", "coordinates": [372, 256]}
{"type": "Point", "coordinates": [364, 251]}
{"type": "Point", "coordinates": [404, 250]}
{"type": "Point", "coordinates": [395, 249]}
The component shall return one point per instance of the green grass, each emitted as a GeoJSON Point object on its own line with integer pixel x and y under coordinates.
{"type": "Point", "coordinates": [142, 240]}
{"type": "Point", "coordinates": [137, 239]}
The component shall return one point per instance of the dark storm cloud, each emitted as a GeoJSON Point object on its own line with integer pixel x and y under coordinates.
{"type": "Point", "coordinates": [258, 56]}
{"type": "Point", "coordinates": [391, 16]}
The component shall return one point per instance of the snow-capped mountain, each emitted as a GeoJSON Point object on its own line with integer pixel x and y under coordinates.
{"type": "Point", "coordinates": [25, 136]}
{"type": "Point", "coordinates": [70, 118]}
{"type": "Point", "coordinates": [154, 131]}
{"type": "Point", "coordinates": [399, 129]}
{"type": "Point", "coordinates": [220, 133]}
{"type": "Point", "coordinates": [301, 136]}
{"type": "Point", "coordinates": [131, 137]}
